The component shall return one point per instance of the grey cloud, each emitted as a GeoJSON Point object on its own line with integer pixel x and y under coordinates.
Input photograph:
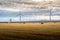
{"type": "Point", "coordinates": [28, 4]}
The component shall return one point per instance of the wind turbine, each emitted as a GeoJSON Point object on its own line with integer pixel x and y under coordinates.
{"type": "Point", "coordinates": [50, 9]}
{"type": "Point", "coordinates": [19, 15]}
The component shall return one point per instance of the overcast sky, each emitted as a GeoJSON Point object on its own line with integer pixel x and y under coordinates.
{"type": "Point", "coordinates": [35, 9]}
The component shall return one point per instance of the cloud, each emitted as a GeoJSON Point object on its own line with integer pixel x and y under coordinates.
{"type": "Point", "coordinates": [25, 6]}
{"type": "Point", "coordinates": [9, 9]}
{"type": "Point", "coordinates": [22, 5]}
{"type": "Point", "coordinates": [31, 18]}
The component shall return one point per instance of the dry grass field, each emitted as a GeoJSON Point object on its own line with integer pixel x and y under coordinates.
{"type": "Point", "coordinates": [29, 31]}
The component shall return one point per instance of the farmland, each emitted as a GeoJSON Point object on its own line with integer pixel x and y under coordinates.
{"type": "Point", "coordinates": [29, 31]}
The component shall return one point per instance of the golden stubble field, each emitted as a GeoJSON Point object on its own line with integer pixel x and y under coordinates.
{"type": "Point", "coordinates": [20, 31]}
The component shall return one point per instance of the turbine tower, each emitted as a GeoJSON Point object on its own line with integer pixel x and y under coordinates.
{"type": "Point", "coordinates": [50, 14]}
{"type": "Point", "coordinates": [19, 15]}
{"type": "Point", "coordinates": [10, 20]}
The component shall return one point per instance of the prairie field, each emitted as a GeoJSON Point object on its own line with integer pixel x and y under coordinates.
{"type": "Point", "coordinates": [30, 31]}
